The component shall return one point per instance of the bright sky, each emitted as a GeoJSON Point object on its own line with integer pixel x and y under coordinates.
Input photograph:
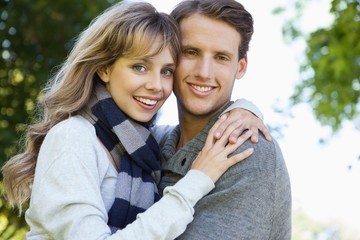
{"type": "Point", "coordinates": [322, 185]}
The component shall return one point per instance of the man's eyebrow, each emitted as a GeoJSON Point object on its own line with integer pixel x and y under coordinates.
{"type": "Point", "coordinates": [220, 52]}
{"type": "Point", "coordinates": [224, 52]}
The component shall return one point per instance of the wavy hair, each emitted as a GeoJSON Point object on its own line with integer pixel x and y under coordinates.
{"type": "Point", "coordinates": [127, 29]}
{"type": "Point", "coordinates": [229, 11]}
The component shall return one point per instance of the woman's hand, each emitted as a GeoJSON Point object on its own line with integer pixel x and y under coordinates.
{"type": "Point", "coordinates": [214, 160]}
{"type": "Point", "coordinates": [241, 120]}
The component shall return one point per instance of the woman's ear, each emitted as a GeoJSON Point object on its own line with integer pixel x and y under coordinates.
{"type": "Point", "coordinates": [104, 74]}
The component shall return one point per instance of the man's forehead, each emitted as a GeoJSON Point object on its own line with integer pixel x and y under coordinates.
{"type": "Point", "coordinates": [207, 25]}
{"type": "Point", "coordinates": [204, 33]}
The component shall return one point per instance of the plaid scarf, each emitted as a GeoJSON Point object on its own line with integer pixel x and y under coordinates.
{"type": "Point", "coordinates": [134, 149]}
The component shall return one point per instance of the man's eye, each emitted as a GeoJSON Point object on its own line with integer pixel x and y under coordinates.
{"type": "Point", "coordinates": [223, 58]}
{"type": "Point", "coordinates": [139, 68]}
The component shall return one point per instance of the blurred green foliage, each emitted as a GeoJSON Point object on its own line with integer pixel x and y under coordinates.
{"type": "Point", "coordinates": [35, 37]}
{"type": "Point", "coordinates": [331, 71]}
{"type": "Point", "coordinates": [11, 225]}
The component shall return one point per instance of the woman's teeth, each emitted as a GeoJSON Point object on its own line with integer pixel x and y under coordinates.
{"type": "Point", "coordinates": [146, 101]}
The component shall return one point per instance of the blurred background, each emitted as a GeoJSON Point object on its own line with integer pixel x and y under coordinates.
{"type": "Point", "coordinates": [303, 73]}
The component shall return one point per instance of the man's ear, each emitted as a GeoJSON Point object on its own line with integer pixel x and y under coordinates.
{"type": "Point", "coordinates": [104, 74]}
{"type": "Point", "coordinates": [242, 67]}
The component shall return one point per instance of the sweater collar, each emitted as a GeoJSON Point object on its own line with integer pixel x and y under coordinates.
{"type": "Point", "coordinates": [180, 161]}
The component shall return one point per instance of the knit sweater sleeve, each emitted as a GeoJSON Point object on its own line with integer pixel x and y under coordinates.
{"type": "Point", "coordinates": [67, 199]}
{"type": "Point", "coordinates": [168, 218]}
{"type": "Point", "coordinates": [247, 105]}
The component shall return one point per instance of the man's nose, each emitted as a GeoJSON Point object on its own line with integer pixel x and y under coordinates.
{"type": "Point", "coordinates": [205, 68]}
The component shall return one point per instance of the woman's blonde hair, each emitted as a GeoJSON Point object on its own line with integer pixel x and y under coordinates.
{"type": "Point", "coordinates": [127, 29]}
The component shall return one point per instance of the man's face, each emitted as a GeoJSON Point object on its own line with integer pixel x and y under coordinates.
{"type": "Point", "coordinates": [208, 66]}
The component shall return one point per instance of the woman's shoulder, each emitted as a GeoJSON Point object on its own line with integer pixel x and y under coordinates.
{"type": "Point", "coordinates": [73, 142]}
{"type": "Point", "coordinates": [73, 125]}
{"type": "Point", "coordinates": [72, 134]}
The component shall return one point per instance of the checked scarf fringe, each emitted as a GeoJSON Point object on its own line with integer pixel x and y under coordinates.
{"type": "Point", "coordinates": [136, 152]}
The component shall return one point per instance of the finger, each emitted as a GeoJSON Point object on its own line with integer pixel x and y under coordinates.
{"type": "Point", "coordinates": [234, 115]}
{"type": "Point", "coordinates": [245, 136]}
{"type": "Point", "coordinates": [228, 131]}
{"type": "Point", "coordinates": [255, 135]}
{"type": "Point", "coordinates": [239, 157]}
{"type": "Point", "coordinates": [230, 148]}
{"type": "Point", "coordinates": [236, 134]}
{"type": "Point", "coordinates": [266, 132]}
{"type": "Point", "coordinates": [224, 124]}
{"type": "Point", "coordinates": [209, 142]}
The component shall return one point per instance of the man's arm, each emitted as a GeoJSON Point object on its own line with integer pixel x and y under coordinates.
{"type": "Point", "coordinates": [250, 201]}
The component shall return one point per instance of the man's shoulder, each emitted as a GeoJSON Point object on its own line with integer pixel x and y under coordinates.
{"type": "Point", "coordinates": [265, 167]}
{"type": "Point", "coordinates": [267, 156]}
{"type": "Point", "coordinates": [267, 149]}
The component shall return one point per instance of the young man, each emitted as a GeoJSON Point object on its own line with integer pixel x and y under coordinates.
{"type": "Point", "coordinates": [252, 200]}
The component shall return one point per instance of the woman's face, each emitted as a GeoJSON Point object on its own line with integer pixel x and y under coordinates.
{"type": "Point", "coordinates": [140, 85]}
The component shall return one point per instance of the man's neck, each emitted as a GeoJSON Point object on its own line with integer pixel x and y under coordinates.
{"type": "Point", "coordinates": [190, 126]}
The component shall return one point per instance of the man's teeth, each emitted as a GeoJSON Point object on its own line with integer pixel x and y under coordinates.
{"type": "Point", "coordinates": [201, 89]}
{"type": "Point", "coordinates": [146, 101]}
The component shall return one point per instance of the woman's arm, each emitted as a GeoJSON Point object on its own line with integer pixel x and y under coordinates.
{"type": "Point", "coordinates": [68, 193]}
{"type": "Point", "coordinates": [244, 115]}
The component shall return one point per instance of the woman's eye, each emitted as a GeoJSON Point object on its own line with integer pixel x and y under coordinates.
{"type": "Point", "coordinates": [190, 52]}
{"type": "Point", "coordinates": [168, 72]}
{"type": "Point", "coordinates": [139, 68]}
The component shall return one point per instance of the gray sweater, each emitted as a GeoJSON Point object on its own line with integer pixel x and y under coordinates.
{"type": "Point", "coordinates": [252, 200]}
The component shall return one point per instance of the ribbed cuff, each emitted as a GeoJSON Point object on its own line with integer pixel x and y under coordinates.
{"type": "Point", "coordinates": [193, 186]}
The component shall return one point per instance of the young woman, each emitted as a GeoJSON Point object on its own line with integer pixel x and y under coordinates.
{"type": "Point", "coordinates": [90, 165]}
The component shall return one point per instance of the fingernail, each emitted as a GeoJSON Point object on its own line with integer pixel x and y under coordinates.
{"type": "Point", "coordinates": [233, 140]}
{"type": "Point", "coordinates": [217, 134]}
{"type": "Point", "coordinates": [223, 117]}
